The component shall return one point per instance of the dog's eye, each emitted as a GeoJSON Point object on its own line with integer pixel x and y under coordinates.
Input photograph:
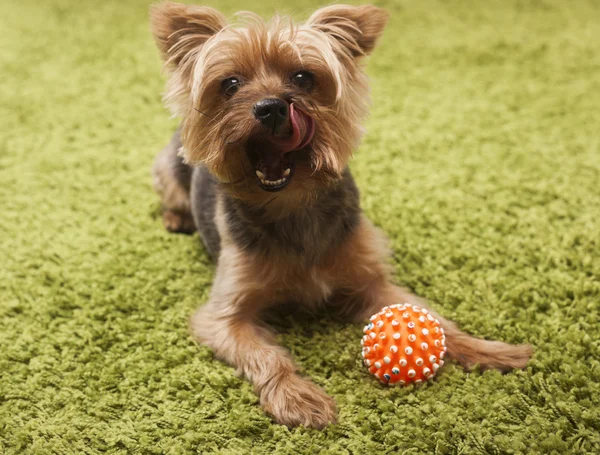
{"type": "Point", "coordinates": [304, 79]}
{"type": "Point", "coordinates": [230, 86]}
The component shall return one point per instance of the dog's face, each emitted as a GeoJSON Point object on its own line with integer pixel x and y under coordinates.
{"type": "Point", "coordinates": [268, 107]}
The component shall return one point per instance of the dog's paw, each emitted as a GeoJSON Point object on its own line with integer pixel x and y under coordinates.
{"type": "Point", "coordinates": [294, 401]}
{"type": "Point", "coordinates": [178, 222]}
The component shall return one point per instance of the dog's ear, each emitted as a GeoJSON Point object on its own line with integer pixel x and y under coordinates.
{"type": "Point", "coordinates": [179, 29]}
{"type": "Point", "coordinates": [355, 28]}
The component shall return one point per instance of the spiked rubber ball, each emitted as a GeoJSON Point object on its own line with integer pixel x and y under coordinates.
{"type": "Point", "coordinates": [403, 344]}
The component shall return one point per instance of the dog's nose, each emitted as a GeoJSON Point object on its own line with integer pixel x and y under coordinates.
{"type": "Point", "coordinates": [272, 112]}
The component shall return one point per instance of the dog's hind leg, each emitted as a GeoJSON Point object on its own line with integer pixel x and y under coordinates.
{"type": "Point", "coordinates": [172, 179]}
{"type": "Point", "coordinates": [366, 287]}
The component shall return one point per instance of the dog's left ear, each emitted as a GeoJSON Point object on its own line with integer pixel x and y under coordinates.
{"type": "Point", "coordinates": [179, 29]}
{"type": "Point", "coordinates": [355, 29]}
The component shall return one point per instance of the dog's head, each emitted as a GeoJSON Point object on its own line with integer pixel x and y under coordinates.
{"type": "Point", "coordinates": [268, 106]}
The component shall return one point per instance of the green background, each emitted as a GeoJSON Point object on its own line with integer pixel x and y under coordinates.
{"type": "Point", "coordinates": [481, 162]}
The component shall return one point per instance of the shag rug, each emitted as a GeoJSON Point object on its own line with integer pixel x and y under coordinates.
{"type": "Point", "coordinates": [481, 162]}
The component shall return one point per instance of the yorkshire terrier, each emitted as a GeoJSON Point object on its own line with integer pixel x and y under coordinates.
{"type": "Point", "coordinates": [271, 113]}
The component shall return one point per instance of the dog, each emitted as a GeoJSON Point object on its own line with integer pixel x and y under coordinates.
{"type": "Point", "coordinates": [271, 114]}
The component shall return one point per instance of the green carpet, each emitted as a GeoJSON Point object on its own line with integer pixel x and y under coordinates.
{"type": "Point", "coordinates": [482, 163]}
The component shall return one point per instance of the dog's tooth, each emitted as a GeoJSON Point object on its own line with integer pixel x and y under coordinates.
{"type": "Point", "coordinates": [287, 172]}
{"type": "Point", "coordinates": [272, 182]}
{"type": "Point", "coordinates": [260, 175]}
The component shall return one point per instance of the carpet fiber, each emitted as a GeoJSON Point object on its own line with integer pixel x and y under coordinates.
{"type": "Point", "coordinates": [481, 162]}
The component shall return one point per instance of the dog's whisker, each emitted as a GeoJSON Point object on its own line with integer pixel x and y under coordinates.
{"type": "Point", "coordinates": [263, 206]}
{"type": "Point", "coordinates": [203, 113]}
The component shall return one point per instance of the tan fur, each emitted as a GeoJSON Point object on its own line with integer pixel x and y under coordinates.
{"type": "Point", "coordinates": [173, 195]}
{"type": "Point", "coordinates": [200, 51]}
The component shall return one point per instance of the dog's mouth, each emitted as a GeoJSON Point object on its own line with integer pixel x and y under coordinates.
{"type": "Point", "coordinates": [277, 179]}
{"type": "Point", "coordinates": [273, 157]}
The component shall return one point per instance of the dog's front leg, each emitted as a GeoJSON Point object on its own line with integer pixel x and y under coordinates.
{"type": "Point", "coordinates": [228, 325]}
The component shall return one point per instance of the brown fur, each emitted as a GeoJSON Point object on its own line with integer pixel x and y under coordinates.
{"type": "Point", "coordinates": [306, 244]}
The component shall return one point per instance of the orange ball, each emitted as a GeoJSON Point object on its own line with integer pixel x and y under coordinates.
{"type": "Point", "coordinates": [403, 344]}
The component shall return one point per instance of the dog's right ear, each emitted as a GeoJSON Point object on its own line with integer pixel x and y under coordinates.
{"type": "Point", "coordinates": [179, 29]}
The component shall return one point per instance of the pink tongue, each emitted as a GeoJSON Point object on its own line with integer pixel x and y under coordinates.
{"type": "Point", "coordinates": [303, 129]}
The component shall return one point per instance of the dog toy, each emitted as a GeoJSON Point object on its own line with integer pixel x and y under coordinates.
{"type": "Point", "coordinates": [403, 344]}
